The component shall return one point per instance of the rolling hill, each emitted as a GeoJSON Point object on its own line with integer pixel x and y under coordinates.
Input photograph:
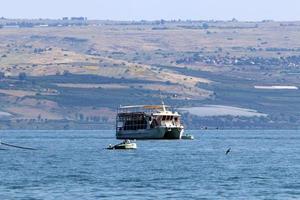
{"type": "Point", "coordinates": [74, 76]}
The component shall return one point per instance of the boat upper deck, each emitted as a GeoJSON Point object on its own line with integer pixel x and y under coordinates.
{"type": "Point", "coordinates": [155, 110]}
{"type": "Point", "coordinates": [142, 108]}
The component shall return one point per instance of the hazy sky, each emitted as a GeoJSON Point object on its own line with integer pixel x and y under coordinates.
{"type": "Point", "coordinates": [153, 9]}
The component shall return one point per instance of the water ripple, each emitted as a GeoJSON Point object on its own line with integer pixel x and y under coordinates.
{"type": "Point", "coordinates": [74, 165]}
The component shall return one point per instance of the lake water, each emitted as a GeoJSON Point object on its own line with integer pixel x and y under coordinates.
{"type": "Point", "coordinates": [75, 165]}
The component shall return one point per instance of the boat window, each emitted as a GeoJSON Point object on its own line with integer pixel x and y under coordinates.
{"type": "Point", "coordinates": [163, 118]}
{"type": "Point", "coordinates": [171, 117]}
{"type": "Point", "coordinates": [176, 119]}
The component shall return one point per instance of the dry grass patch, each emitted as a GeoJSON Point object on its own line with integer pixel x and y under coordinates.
{"type": "Point", "coordinates": [17, 93]}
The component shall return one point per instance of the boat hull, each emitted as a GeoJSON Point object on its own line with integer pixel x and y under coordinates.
{"type": "Point", "coordinates": [155, 133]}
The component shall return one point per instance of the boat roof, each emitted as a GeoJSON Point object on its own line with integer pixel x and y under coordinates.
{"type": "Point", "coordinates": [145, 107]}
{"type": "Point", "coordinates": [149, 109]}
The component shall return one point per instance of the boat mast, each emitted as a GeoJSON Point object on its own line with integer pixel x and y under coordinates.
{"type": "Point", "coordinates": [163, 103]}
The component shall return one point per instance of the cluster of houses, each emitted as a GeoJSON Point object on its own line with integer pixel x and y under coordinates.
{"type": "Point", "coordinates": [289, 61]}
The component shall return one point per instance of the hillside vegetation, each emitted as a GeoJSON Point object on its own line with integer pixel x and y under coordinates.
{"type": "Point", "coordinates": [74, 76]}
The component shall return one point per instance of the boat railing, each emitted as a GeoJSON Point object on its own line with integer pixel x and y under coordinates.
{"type": "Point", "coordinates": [148, 109]}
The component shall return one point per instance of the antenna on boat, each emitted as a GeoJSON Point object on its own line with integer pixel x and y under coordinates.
{"type": "Point", "coordinates": [162, 102]}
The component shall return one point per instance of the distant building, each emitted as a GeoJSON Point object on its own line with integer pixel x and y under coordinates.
{"type": "Point", "coordinates": [79, 18]}
{"type": "Point", "coordinates": [43, 25]}
{"type": "Point", "coordinates": [65, 18]}
{"type": "Point", "coordinates": [234, 20]}
{"type": "Point", "coordinates": [10, 26]}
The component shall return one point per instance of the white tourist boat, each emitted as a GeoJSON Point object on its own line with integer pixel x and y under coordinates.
{"type": "Point", "coordinates": [148, 122]}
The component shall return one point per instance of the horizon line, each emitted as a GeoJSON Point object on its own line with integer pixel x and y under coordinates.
{"type": "Point", "coordinates": [151, 20]}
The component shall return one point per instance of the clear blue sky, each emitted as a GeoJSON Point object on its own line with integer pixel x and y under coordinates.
{"type": "Point", "coordinates": [154, 9]}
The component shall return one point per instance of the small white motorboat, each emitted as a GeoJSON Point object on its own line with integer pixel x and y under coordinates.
{"type": "Point", "coordinates": [187, 137]}
{"type": "Point", "coordinates": [126, 144]}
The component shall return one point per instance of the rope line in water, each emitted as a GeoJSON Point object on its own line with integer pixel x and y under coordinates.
{"type": "Point", "coordinates": [15, 146]}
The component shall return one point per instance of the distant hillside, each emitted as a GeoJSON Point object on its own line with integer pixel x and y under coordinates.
{"type": "Point", "coordinates": [59, 75]}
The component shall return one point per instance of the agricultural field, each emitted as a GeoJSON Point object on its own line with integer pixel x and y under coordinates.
{"type": "Point", "coordinates": [75, 76]}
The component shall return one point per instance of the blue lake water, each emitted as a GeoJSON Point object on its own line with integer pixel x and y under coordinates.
{"type": "Point", "coordinates": [75, 165]}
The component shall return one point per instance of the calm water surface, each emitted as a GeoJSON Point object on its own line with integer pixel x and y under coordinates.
{"type": "Point", "coordinates": [75, 165]}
